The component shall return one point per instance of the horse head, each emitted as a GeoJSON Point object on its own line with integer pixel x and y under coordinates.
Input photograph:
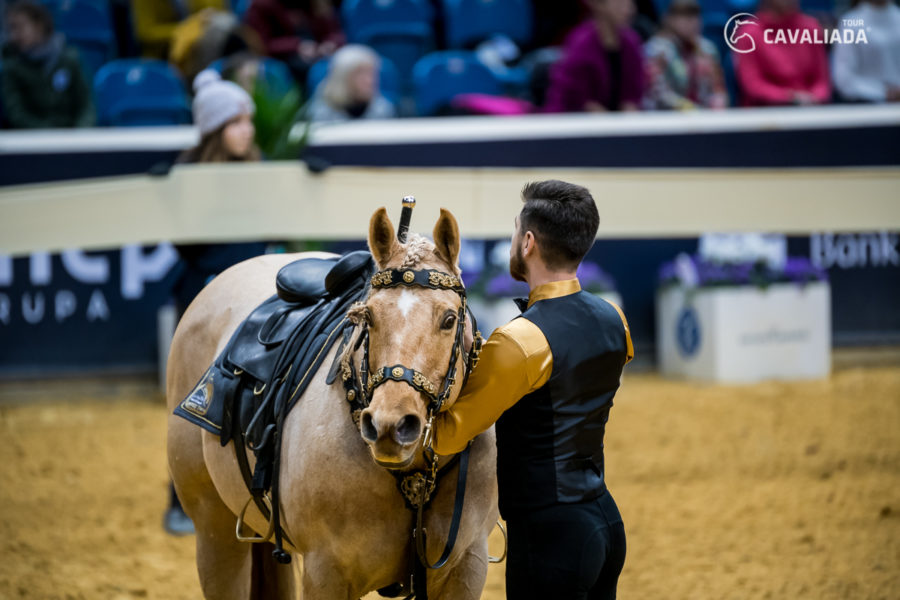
{"type": "Point", "coordinates": [414, 361]}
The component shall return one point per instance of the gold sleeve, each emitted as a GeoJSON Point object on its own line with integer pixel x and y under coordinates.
{"type": "Point", "coordinates": [515, 361]}
{"type": "Point", "coordinates": [629, 346]}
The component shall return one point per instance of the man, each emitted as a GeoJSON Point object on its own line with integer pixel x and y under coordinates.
{"type": "Point", "coordinates": [548, 379]}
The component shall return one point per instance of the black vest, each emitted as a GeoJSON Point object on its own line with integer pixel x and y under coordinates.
{"type": "Point", "coordinates": [550, 443]}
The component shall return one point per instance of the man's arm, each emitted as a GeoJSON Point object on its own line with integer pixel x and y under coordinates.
{"type": "Point", "coordinates": [515, 361]}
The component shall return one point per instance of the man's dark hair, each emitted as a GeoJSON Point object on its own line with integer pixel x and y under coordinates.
{"type": "Point", "coordinates": [33, 11]}
{"type": "Point", "coordinates": [563, 218]}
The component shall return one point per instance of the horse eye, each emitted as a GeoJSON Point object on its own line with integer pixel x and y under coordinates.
{"type": "Point", "coordinates": [448, 321]}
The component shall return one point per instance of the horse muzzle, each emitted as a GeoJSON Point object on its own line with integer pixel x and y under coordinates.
{"type": "Point", "coordinates": [392, 440]}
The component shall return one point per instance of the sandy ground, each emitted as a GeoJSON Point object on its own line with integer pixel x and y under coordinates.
{"type": "Point", "coordinates": [768, 491]}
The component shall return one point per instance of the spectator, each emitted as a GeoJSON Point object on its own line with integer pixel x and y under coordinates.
{"type": "Point", "coordinates": [297, 32]}
{"type": "Point", "coordinates": [155, 21]}
{"type": "Point", "coordinates": [350, 91]}
{"type": "Point", "coordinates": [602, 64]}
{"type": "Point", "coordinates": [43, 84]}
{"type": "Point", "coordinates": [783, 73]}
{"type": "Point", "coordinates": [683, 69]}
{"type": "Point", "coordinates": [223, 113]}
{"type": "Point", "coordinates": [870, 72]}
{"type": "Point", "coordinates": [203, 38]}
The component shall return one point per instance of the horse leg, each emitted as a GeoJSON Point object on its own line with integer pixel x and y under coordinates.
{"type": "Point", "coordinates": [223, 564]}
{"type": "Point", "coordinates": [465, 579]}
{"type": "Point", "coordinates": [270, 578]}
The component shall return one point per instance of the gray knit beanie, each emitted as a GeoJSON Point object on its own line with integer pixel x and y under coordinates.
{"type": "Point", "coordinates": [216, 101]}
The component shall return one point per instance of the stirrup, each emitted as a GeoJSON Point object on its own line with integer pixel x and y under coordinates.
{"type": "Point", "coordinates": [500, 559]}
{"type": "Point", "coordinates": [254, 539]}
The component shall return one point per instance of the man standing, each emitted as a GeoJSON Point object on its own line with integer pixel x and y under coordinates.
{"type": "Point", "coordinates": [548, 379]}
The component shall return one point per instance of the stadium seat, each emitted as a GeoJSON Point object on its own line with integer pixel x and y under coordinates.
{"type": "Point", "coordinates": [239, 7]}
{"type": "Point", "coordinates": [440, 76]}
{"type": "Point", "coordinates": [388, 78]}
{"type": "Point", "coordinates": [400, 30]}
{"type": "Point", "coordinates": [468, 22]}
{"type": "Point", "coordinates": [136, 92]}
{"type": "Point", "coordinates": [87, 25]}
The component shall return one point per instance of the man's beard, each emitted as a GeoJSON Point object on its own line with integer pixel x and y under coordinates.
{"type": "Point", "coordinates": [517, 268]}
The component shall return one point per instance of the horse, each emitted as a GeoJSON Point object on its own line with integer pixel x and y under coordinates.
{"type": "Point", "coordinates": [341, 511]}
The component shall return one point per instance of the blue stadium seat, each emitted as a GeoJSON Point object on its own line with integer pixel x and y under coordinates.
{"type": "Point", "coordinates": [137, 92]}
{"type": "Point", "coordinates": [87, 25]}
{"type": "Point", "coordinates": [388, 79]}
{"type": "Point", "coordinates": [440, 76]}
{"type": "Point", "coordinates": [400, 30]}
{"type": "Point", "coordinates": [468, 22]}
{"type": "Point", "coordinates": [239, 7]}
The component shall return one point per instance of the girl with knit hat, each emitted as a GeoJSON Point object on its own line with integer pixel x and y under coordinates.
{"type": "Point", "coordinates": [223, 112]}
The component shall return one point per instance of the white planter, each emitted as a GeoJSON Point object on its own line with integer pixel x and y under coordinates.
{"type": "Point", "coordinates": [744, 334]}
{"type": "Point", "coordinates": [491, 314]}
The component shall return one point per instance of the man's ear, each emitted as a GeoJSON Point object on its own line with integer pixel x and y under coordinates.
{"type": "Point", "coordinates": [528, 243]}
{"type": "Point", "coordinates": [383, 241]}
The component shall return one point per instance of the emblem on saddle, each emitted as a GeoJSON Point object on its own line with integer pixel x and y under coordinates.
{"type": "Point", "coordinates": [198, 401]}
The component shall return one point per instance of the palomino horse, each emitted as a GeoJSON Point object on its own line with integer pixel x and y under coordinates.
{"type": "Point", "coordinates": [340, 506]}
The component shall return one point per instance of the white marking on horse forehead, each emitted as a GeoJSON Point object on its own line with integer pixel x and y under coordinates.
{"type": "Point", "coordinates": [406, 302]}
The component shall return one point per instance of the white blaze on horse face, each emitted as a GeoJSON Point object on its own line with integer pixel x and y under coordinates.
{"type": "Point", "coordinates": [406, 302]}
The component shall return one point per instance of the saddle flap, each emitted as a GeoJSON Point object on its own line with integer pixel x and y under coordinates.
{"type": "Point", "coordinates": [303, 281]}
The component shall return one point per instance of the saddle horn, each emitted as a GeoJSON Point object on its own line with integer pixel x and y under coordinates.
{"type": "Point", "coordinates": [409, 203]}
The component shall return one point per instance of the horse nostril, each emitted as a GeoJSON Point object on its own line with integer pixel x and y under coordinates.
{"type": "Point", "coordinates": [367, 427]}
{"type": "Point", "coordinates": [408, 429]}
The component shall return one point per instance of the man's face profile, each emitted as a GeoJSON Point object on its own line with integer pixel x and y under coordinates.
{"type": "Point", "coordinates": [517, 268]}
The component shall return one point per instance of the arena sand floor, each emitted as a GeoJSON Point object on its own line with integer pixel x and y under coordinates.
{"type": "Point", "coordinates": [777, 490]}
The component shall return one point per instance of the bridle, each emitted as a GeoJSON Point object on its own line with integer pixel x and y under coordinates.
{"type": "Point", "coordinates": [370, 381]}
{"type": "Point", "coordinates": [418, 487]}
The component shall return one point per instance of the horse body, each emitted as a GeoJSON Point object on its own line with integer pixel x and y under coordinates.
{"type": "Point", "coordinates": [342, 512]}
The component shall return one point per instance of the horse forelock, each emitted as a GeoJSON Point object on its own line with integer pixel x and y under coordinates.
{"type": "Point", "coordinates": [418, 250]}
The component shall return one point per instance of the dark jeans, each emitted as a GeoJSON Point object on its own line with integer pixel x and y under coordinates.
{"type": "Point", "coordinates": [566, 551]}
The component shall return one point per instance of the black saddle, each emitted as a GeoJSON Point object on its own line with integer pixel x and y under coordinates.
{"type": "Point", "coordinates": [277, 350]}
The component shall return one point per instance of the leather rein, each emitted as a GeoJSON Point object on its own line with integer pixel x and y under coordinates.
{"type": "Point", "coordinates": [418, 487]}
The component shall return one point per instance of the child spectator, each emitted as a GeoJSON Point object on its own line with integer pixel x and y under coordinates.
{"type": "Point", "coordinates": [43, 84]}
{"type": "Point", "coordinates": [783, 73]}
{"type": "Point", "coordinates": [350, 91]}
{"type": "Point", "coordinates": [683, 69]}
{"type": "Point", "coordinates": [602, 64]}
{"type": "Point", "coordinates": [155, 21]}
{"type": "Point", "coordinates": [297, 32]}
{"type": "Point", "coordinates": [223, 113]}
{"type": "Point", "coordinates": [870, 72]}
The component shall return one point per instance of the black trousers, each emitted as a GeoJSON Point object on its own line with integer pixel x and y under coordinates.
{"type": "Point", "coordinates": [566, 552]}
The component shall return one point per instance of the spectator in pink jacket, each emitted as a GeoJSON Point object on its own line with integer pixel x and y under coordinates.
{"type": "Point", "coordinates": [778, 71]}
{"type": "Point", "coordinates": [602, 65]}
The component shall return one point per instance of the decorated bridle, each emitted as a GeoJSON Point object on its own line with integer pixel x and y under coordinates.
{"type": "Point", "coordinates": [437, 394]}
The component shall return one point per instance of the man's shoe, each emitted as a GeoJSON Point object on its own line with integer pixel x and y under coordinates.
{"type": "Point", "coordinates": [175, 522]}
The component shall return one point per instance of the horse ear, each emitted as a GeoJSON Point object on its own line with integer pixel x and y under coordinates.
{"type": "Point", "coordinates": [446, 237]}
{"type": "Point", "coordinates": [382, 239]}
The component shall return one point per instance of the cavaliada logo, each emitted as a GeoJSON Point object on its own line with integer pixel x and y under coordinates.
{"type": "Point", "coordinates": [739, 38]}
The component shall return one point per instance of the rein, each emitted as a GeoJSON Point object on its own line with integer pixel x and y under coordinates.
{"type": "Point", "coordinates": [418, 487]}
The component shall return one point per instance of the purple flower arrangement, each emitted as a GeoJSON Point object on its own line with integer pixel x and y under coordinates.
{"type": "Point", "coordinates": [497, 283]}
{"type": "Point", "coordinates": [695, 271]}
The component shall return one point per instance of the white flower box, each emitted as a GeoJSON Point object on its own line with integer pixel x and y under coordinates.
{"type": "Point", "coordinates": [743, 334]}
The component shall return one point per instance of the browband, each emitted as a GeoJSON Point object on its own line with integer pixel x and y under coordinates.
{"type": "Point", "coordinates": [428, 278]}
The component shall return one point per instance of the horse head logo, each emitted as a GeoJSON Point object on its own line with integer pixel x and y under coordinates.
{"type": "Point", "coordinates": [737, 38]}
